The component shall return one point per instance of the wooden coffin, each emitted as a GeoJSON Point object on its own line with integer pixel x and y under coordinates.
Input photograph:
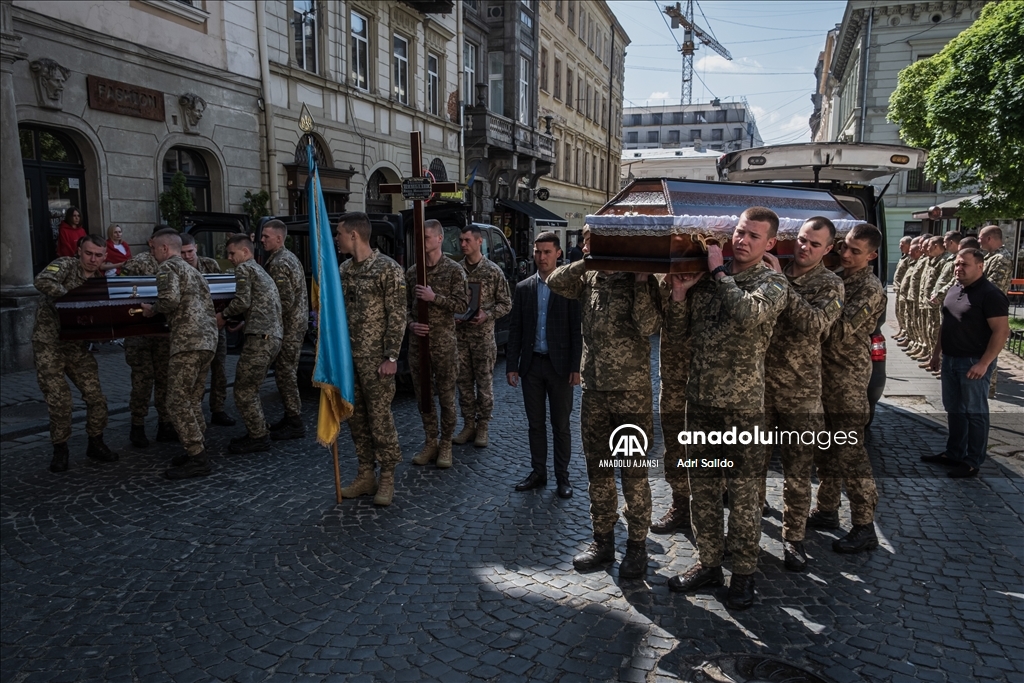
{"type": "Point", "coordinates": [111, 308]}
{"type": "Point", "coordinates": [660, 225]}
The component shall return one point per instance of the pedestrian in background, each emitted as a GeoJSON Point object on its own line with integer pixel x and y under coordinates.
{"type": "Point", "coordinates": [70, 233]}
{"type": "Point", "coordinates": [118, 250]}
{"type": "Point", "coordinates": [998, 271]}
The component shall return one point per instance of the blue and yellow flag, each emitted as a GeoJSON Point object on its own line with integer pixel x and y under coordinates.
{"type": "Point", "coordinates": [333, 372]}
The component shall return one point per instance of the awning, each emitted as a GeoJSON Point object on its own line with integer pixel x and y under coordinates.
{"type": "Point", "coordinates": [542, 217]}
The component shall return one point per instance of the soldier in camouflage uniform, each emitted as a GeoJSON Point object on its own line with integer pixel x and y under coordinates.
{"type": "Point", "coordinates": [478, 351]}
{"type": "Point", "coordinates": [290, 278]}
{"type": "Point", "coordinates": [375, 301]}
{"type": "Point", "coordinates": [928, 314]}
{"type": "Point", "coordinates": [792, 377]}
{"type": "Point", "coordinates": [446, 295]}
{"type": "Point", "coordinates": [729, 317]}
{"type": "Point", "coordinates": [846, 372]}
{"type": "Point", "coordinates": [903, 306]}
{"type": "Point", "coordinates": [184, 298]}
{"type": "Point", "coordinates": [897, 280]}
{"type": "Point", "coordinates": [218, 367]}
{"type": "Point", "coordinates": [56, 358]}
{"type": "Point", "coordinates": [915, 273]}
{"type": "Point", "coordinates": [943, 281]}
{"type": "Point", "coordinates": [620, 312]}
{"type": "Point", "coordinates": [148, 358]}
{"type": "Point", "coordinates": [256, 297]}
{"type": "Point", "coordinates": [998, 270]}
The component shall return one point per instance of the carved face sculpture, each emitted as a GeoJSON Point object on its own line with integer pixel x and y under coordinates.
{"type": "Point", "coordinates": [51, 77]}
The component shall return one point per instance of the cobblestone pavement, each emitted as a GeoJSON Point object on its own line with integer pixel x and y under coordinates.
{"type": "Point", "coordinates": [254, 574]}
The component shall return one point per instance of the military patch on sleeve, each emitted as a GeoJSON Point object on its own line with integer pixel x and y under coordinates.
{"type": "Point", "coordinates": [53, 268]}
{"type": "Point", "coordinates": [862, 316]}
{"type": "Point", "coordinates": [774, 291]}
{"type": "Point", "coordinates": [834, 307]}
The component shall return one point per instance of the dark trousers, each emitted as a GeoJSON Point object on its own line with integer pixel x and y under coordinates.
{"type": "Point", "coordinates": [539, 383]}
{"type": "Point", "coordinates": [966, 404]}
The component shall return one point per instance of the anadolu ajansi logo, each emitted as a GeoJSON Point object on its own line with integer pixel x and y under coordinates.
{"type": "Point", "coordinates": [627, 444]}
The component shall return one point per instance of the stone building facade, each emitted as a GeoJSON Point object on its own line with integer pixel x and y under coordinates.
{"type": "Point", "coordinates": [716, 125]}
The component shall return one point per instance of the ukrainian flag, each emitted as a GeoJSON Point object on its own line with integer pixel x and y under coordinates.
{"type": "Point", "coordinates": [333, 372]}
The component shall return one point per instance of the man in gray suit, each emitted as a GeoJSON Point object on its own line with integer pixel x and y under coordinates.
{"type": "Point", "coordinates": [544, 349]}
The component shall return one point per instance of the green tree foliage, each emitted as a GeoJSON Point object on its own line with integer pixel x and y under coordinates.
{"type": "Point", "coordinates": [965, 106]}
{"type": "Point", "coordinates": [255, 205]}
{"type": "Point", "coordinates": [176, 201]}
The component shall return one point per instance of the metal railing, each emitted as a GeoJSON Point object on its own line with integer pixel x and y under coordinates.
{"type": "Point", "coordinates": [1015, 344]}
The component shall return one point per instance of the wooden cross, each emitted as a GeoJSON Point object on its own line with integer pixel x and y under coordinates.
{"type": "Point", "coordinates": [419, 189]}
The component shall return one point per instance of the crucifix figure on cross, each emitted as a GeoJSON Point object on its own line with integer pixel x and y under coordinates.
{"type": "Point", "coordinates": [419, 189]}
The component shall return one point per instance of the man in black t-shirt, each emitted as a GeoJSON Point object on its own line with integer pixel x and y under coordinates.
{"type": "Point", "coordinates": [975, 327]}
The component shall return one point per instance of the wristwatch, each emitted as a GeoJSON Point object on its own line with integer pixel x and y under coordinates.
{"type": "Point", "coordinates": [720, 269]}
{"type": "Point", "coordinates": [392, 359]}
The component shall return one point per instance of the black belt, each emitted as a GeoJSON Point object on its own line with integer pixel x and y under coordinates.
{"type": "Point", "coordinates": [542, 355]}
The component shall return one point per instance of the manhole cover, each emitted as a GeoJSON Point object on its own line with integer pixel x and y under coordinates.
{"type": "Point", "coordinates": [748, 669]}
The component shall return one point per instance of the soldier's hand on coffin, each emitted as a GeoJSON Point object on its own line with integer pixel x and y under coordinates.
{"type": "Point", "coordinates": [681, 284]}
{"type": "Point", "coordinates": [714, 256]}
{"type": "Point", "coordinates": [419, 329]}
{"type": "Point", "coordinates": [425, 293]}
{"type": "Point", "coordinates": [148, 311]}
{"type": "Point", "coordinates": [773, 262]}
{"type": "Point", "coordinates": [479, 318]}
{"type": "Point", "coordinates": [387, 368]}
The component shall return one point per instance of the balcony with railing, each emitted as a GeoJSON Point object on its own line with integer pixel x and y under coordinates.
{"type": "Point", "coordinates": [485, 127]}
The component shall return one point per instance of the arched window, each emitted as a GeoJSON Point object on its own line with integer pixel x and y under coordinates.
{"type": "Point", "coordinates": [319, 154]}
{"type": "Point", "coordinates": [375, 201]}
{"type": "Point", "coordinates": [438, 170]}
{"type": "Point", "coordinates": [197, 176]}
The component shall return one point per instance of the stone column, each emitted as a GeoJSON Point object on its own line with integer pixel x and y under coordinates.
{"type": "Point", "coordinates": [15, 232]}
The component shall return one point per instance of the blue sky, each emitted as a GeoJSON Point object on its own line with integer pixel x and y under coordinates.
{"type": "Point", "coordinates": [774, 48]}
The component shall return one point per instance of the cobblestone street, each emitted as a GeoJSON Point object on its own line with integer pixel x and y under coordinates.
{"type": "Point", "coordinates": [254, 574]}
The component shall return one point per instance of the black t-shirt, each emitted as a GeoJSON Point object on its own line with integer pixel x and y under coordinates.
{"type": "Point", "coordinates": [965, 313]}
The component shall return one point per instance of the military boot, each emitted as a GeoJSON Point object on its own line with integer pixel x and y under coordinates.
{"type": "Point", "coordinates": [365, 483]}
{"type": "Point", "coordinates": [677, 516]}
{"type": "Point", "coordinates": [634, 564]}
{"type": "Point", "coordinates": [861, 537]}
{"type": "Point", "coordinates": [99, 451]}
{"type": "Point", "coordinates": [467, 434]}
{"type": "Point", "coordinates": [428, 454]}
{"type": "Point", "coordinates": [59, 463]}
{"type": "Point", "coordinates": [481, 434]}
{"type": "Point", "coordinates": [137, 436]}
{"type": "Point", "coordinates": [444, 455]}
{"type": "Point", "coordinates": [194, 466]}
{"type": "Point", "coordinates": [280, 424]}
{"type": "Point", "coordinates": [294, 429]}
{"type": "Point", "coordinates": [165, 432]}
{"type": "Point", "coordinates": [222, 419]}
{"type": "Point", "coordinates": [386, 489]}
{"type": "Point", "coordinates": [823, 519]}
{"type": "Point", "coordinates": [250, 444]}
{"type": "Point", "coordinates": [600, 553]}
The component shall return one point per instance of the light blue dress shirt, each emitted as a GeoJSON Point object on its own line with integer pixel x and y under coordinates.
{"type": "Point", "coordinates": [540, 341]}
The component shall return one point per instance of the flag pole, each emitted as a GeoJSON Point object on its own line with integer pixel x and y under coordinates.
{"type": "Point", "coordinates": [337, 472]}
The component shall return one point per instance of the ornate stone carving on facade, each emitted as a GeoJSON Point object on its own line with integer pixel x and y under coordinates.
{"type": "Point", "coordinates": [49, 80]}
{"type": "Point", "coordinates": [192, 108]}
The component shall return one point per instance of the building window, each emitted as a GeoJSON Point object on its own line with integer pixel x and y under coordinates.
{"type": "Point", "coordinates": [652, 137]}
{"type": "Point", "coordinates": [568, 86]}
{"type": "Point", "coordinates": [469, 80]}
{"type": "Point", "coordinates": [673, 136]}
{"type": "Point", "coordinates": [579, 93]}
{"type": "Point", "coordinates": [197, 177]}
{"type": "Point", "coordinates": [555, 168]}
{"type": "Point", "coordinates": [438, 170]}
{"type": "Point", "coordinates": [677, 118]}
{"type": "Point", "coordinates": [526, 19]}
{"type": "Point", "coordinates": [582, 33]}
{"type": "Point", "coordinates": [544, 69]}
{"type": "Point", "coordinates": [587, 102]}
{"type": "Point", "coordinates": [631, 137]}
{"type": "Point", "coordinates": [656, 119]}
{"type": "Point", "coordinates": [636, 119]}
{"type": "Point", "coordinates": [694, 134]}
{"type": "Point", "coordinates": [400, 68]}
{"type": "Point", "coordinates": [567, 158]}
{"type": "Point", "coordinates": [578, 165]}
{"type": "Point", "coordinates": [496, 82]}
{"type": "Point", "coordinates": [590, 32]}
{"type": "Point", "coordinates": [524, 91]}
{"type": "Point", "coordinates": [360, 63]}
{"type": "Point", "coordinates": [737, 133]}
{"type": "Point", "coordinates": [716, 134]}
{"type": "Point", "coordinates": [558, 8]}
{"type": "Point", "coordinates": [305, 34]}
{"type": "Point", "coordinates": [587, 178]}
{"type": "Point", "coordinates": [558, 79]}
{"type": "Point", "coordinates": [916, 182]}
{"type": "Point", "coordinates": [433, 84]}
{"type": "Point", "coordinates": [720, 116]}
{"type": "Point", "coordinates": [571, 16]}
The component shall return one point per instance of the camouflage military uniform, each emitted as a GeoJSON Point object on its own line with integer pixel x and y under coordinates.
{"type": "Point", "coordinates": [903, 307]}
{"type": "Point", "coordinates": [148, 357]}
{"type": "Point", "coordinates": [897, 282]}
{"type": "Point", "coordinates": [730, 323]}
{"type": "Point", "coordinates": [618, 317]}
{"type": "Point", "coordinates": [792, 386]}
{"type": "Point", "coordinates": [290, 278]}
{"type": "Point", "coordinates": [56, 358]}
{"type": "Point", "coordinates": [184, 298]}
{"type": "Point", "coordinates": [846, 372]}
{"type": "Point", "coordinates": [913, 302]}
{"type": "Point", "coordinates": [256, 297]}
{"type": "Point", "coordinates": [674, 369]}
{"type": "Point", "coordinates": [939, 285]}
{"type": "Point", "coordinates": [999, 271]}
{"type": "Point", "coordinates": [448, 281]}
{"type": "Point", "coordinates": [375, 305]}
{"type": "Point", "coordinates": [478, 350]}
{"type": "Point", "coordinates": [929, 314]}
{"type": "Point", "coordinates": [218, 367]}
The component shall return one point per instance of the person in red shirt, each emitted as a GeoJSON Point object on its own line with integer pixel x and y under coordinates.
{"type": "Point", "coordinates": [70, 232]}
{"type": "Point", "coordinates": [118, 250]}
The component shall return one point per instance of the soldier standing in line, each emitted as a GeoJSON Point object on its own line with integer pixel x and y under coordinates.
{"type": "Point", "coordinates": [730, 317]}
{"type": "Point", "coordinates": [184, 298]}
{"type": "Point", "coordinates": [903, 296]}
{"type": "Point", "coordinates": [148, 358]}
{"type": "Point", "coordinates": [927, 314]}
{"type": "Point", "coordinates": [56, 358]}
{"type": "Point", "coordinates": [256, 297]}
{"type": "Point", "coordinates": [943, 281]}
{"type": "Point", "coordinates": [846, 371]}
{"type": "Point", "coordinates": [478, 351]}
{"type": "Point", "coordinates": [792, 376]}
{"type": "Point", "coordinates": [998, 270]}
{"type": "Point", "coordinates": [374, 289]}
{"type": "Point", "coordinates": [916, 271]}
{"type": "Point", "coordinates": [218, 367]}
{"type": "Point", "coordinates": [619, 315]}
{"type": "Point", "coordinates": [447, 295]}
{"type": "Point", "coordinates": [897, 280]}
{"type": "Point", "coordinates": [290, 278]}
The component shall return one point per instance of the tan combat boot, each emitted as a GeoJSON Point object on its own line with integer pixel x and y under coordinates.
{"type": "Point", "coordinates": [469, 431]}
{"type": "Point", "coordinates": [481, 435]}
{"type": "Point", "coordinates": [386, 490]}
{"type": "Point", "coordinates": [365, 483]}
{"type": "Point", "coordinates": [444, 458]}
{"type": "Point", "coordinates": [428, 454]}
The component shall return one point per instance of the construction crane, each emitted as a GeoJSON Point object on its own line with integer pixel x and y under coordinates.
{"type": "Point", "coordinates": [690, 29]}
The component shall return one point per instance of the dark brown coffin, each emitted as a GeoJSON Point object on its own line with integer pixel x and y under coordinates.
{"type": "Point", "coordinates": [678, 251]}
{"type": "Point", "coordinates": [111, 308]}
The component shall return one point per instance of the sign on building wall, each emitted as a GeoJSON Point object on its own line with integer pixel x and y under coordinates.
{"type": "Point", "coordinates": [125, 99]}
